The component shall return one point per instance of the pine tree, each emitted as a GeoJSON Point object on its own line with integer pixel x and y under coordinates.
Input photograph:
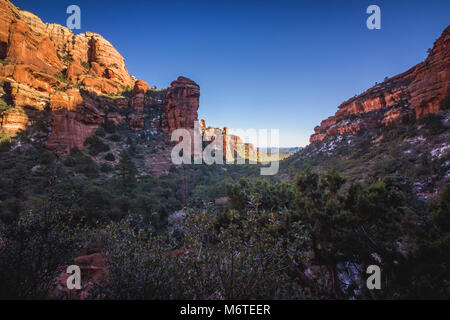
{"type": "Point", "coordinates": [126, 169]}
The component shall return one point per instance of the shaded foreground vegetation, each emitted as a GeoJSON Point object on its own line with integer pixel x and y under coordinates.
{"type": "Point", "coordinates": [302, 234]}
{"type": "Point", "coordinates": [313, 238]}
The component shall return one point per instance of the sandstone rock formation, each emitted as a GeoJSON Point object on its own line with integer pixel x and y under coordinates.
{"type": "Point", "coordinates": [233, 147]}
{"type": "Point", "coordinates": [181, 106]}
{"type": "Point", "coordinates": [46, 65]}
{"type": "Point", "coordinates": [138, 99]}
{"type": "Point", "coordinates": [83, 80]}
{"type": "Point", "coordinates": [418, 90]}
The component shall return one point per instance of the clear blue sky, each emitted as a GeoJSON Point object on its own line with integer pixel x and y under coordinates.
{"type": "Point", "coordinates": [262, 64]}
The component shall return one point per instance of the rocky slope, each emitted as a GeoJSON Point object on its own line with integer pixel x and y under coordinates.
{"type": "Point", "coordinates": [395, 131]}
{"type": "Point", "coordinates": [418, 91]}
{"type": "Point", "coordinates": [82, 79]}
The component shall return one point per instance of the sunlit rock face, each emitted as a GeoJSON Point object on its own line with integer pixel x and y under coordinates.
{"type": "Point", "coordinates": [418, 91]}
{"type": "Point", "coordinates": [45, 65]}
{"type": "Point", "coordinates": [182, 105]}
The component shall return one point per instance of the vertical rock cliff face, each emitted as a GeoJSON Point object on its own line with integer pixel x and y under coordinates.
{"type": "Point", "coordinates": [418, 90]}
{"type": "Point", "coordinates": [181, 106]}
{"type": "Point", "coordinates": [81, 78]}
{"type": "Point", "coordinates": [46, 65]}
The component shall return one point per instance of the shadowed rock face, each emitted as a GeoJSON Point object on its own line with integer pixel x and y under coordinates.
{"type": "Point", "coordinates": [182, 105]}
{"type": "Point", "coordinates": [418, 90]}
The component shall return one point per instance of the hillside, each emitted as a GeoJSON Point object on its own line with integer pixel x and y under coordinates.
{"type": "Point", "coordinates": [398, 128]}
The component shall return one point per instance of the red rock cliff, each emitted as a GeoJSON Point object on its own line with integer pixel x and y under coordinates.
{"type": "Point", "coordinates": [181, 106]}
{"type": "Point", "coordinates": [46, 65]}
{"type": "Point", "coordinates": [418, 90]}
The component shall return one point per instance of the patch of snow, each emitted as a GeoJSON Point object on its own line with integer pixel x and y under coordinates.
{"type": "Point", "coordinates": [440, 151]}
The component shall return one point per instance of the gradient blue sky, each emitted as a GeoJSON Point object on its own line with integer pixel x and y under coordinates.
{"type": "Point", "coordinates": [262, 64]}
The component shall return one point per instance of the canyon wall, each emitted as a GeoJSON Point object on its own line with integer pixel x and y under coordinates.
{"type": "Point", "coordinates": [80, 78]}
{"type": "Point", "coordinates": [417, 91]}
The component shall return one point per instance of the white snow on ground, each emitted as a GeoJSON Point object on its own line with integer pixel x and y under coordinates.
{"type": "Point", "coordinates": [440, 150]}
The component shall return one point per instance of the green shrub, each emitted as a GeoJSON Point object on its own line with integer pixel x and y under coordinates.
{"type": "Point", "coordinates": [4, 138]}
{"type": "Point", "coordinates": [67, 58]}
{"type": "Point", "coordinates": [69, 162]}
{"type": "Point", "coordinates": [445, 103]}
{"type": "Point", "coordinates": [96, 145]}
{"type": "Point", "coordinates": [110, 127]}
{"type": "Point", "coordinates": [433, 122]}
{"type": "Point", "coordinates": [4, 106]}
{"type": "Point", "coordinates": [100, 132]}
{"type": "Point", "coordinates": [60, 77]}
{"type": "Point", "coordinates": [46, 157]}
{"type": "Point", "coordinates": [85, 165]}
{"type": "Point", "coordinates": [114, 137]}
{"type": "Point", "coordinates": [86, 65]}
{"type": "Point", "coordinates": [38, 243]}
{"type": "Point", "coordinates": [90, 169]}
{"type": "Point", "coordinates": [95, 203]}
{"type": "Point", "coordinates": [106, 167]}
{"type": "Point", "coordinates": [110, 157]}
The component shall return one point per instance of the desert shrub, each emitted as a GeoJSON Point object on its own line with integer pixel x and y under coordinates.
{"type": "Point", "coordinates": [95, 204]}
{"type": "Point", "coordinates": [240, 262]}
{"type": "Point", "coordinates": [114, 137]}
{"type": "Point", "coordinates": [262, 194]}
{"type": "Point", "coordinates": [86, 65]}
{"type": "Point", "coordinates": [69, 162]}
{"type": "Point", "coordinates": [85, 165]}
{"type": "Point", "coordinates": [67, 58]}
{"type": "Point", "coordinates": [96, 145]}
{"type": "Point", "coordinates": [445, 103]}
{"type": "Point", "coordinates": [110, 127]}
{"type": "Point", "coordinates": [441, 214]}
{"type": "Point", "coordinates": [5, 141]}
{"type": "Point", "coordinates": [46, 157]}
{"type": "Point", "coordinates": [110, 157]}
{"type": "Point", "coordinates": [34, 249]}
{"type": "Point", "coordinates": [60, 77]}
{"type": "Point", "coordinates": [4, 106]}
{"type": "Point", "coordinates": [100, 132]}
{"type": "Point", "coordinates": [433, 122]}
{"type": "Point", "coordinates": [106, 167]}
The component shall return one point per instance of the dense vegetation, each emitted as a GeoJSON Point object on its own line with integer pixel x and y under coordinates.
{"type": "Point", "coordinates": [415, 151]}
{"type": "Point", "coordinates": [310, 239]}
{"type": "Point", "coordinates": [304, 233]}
